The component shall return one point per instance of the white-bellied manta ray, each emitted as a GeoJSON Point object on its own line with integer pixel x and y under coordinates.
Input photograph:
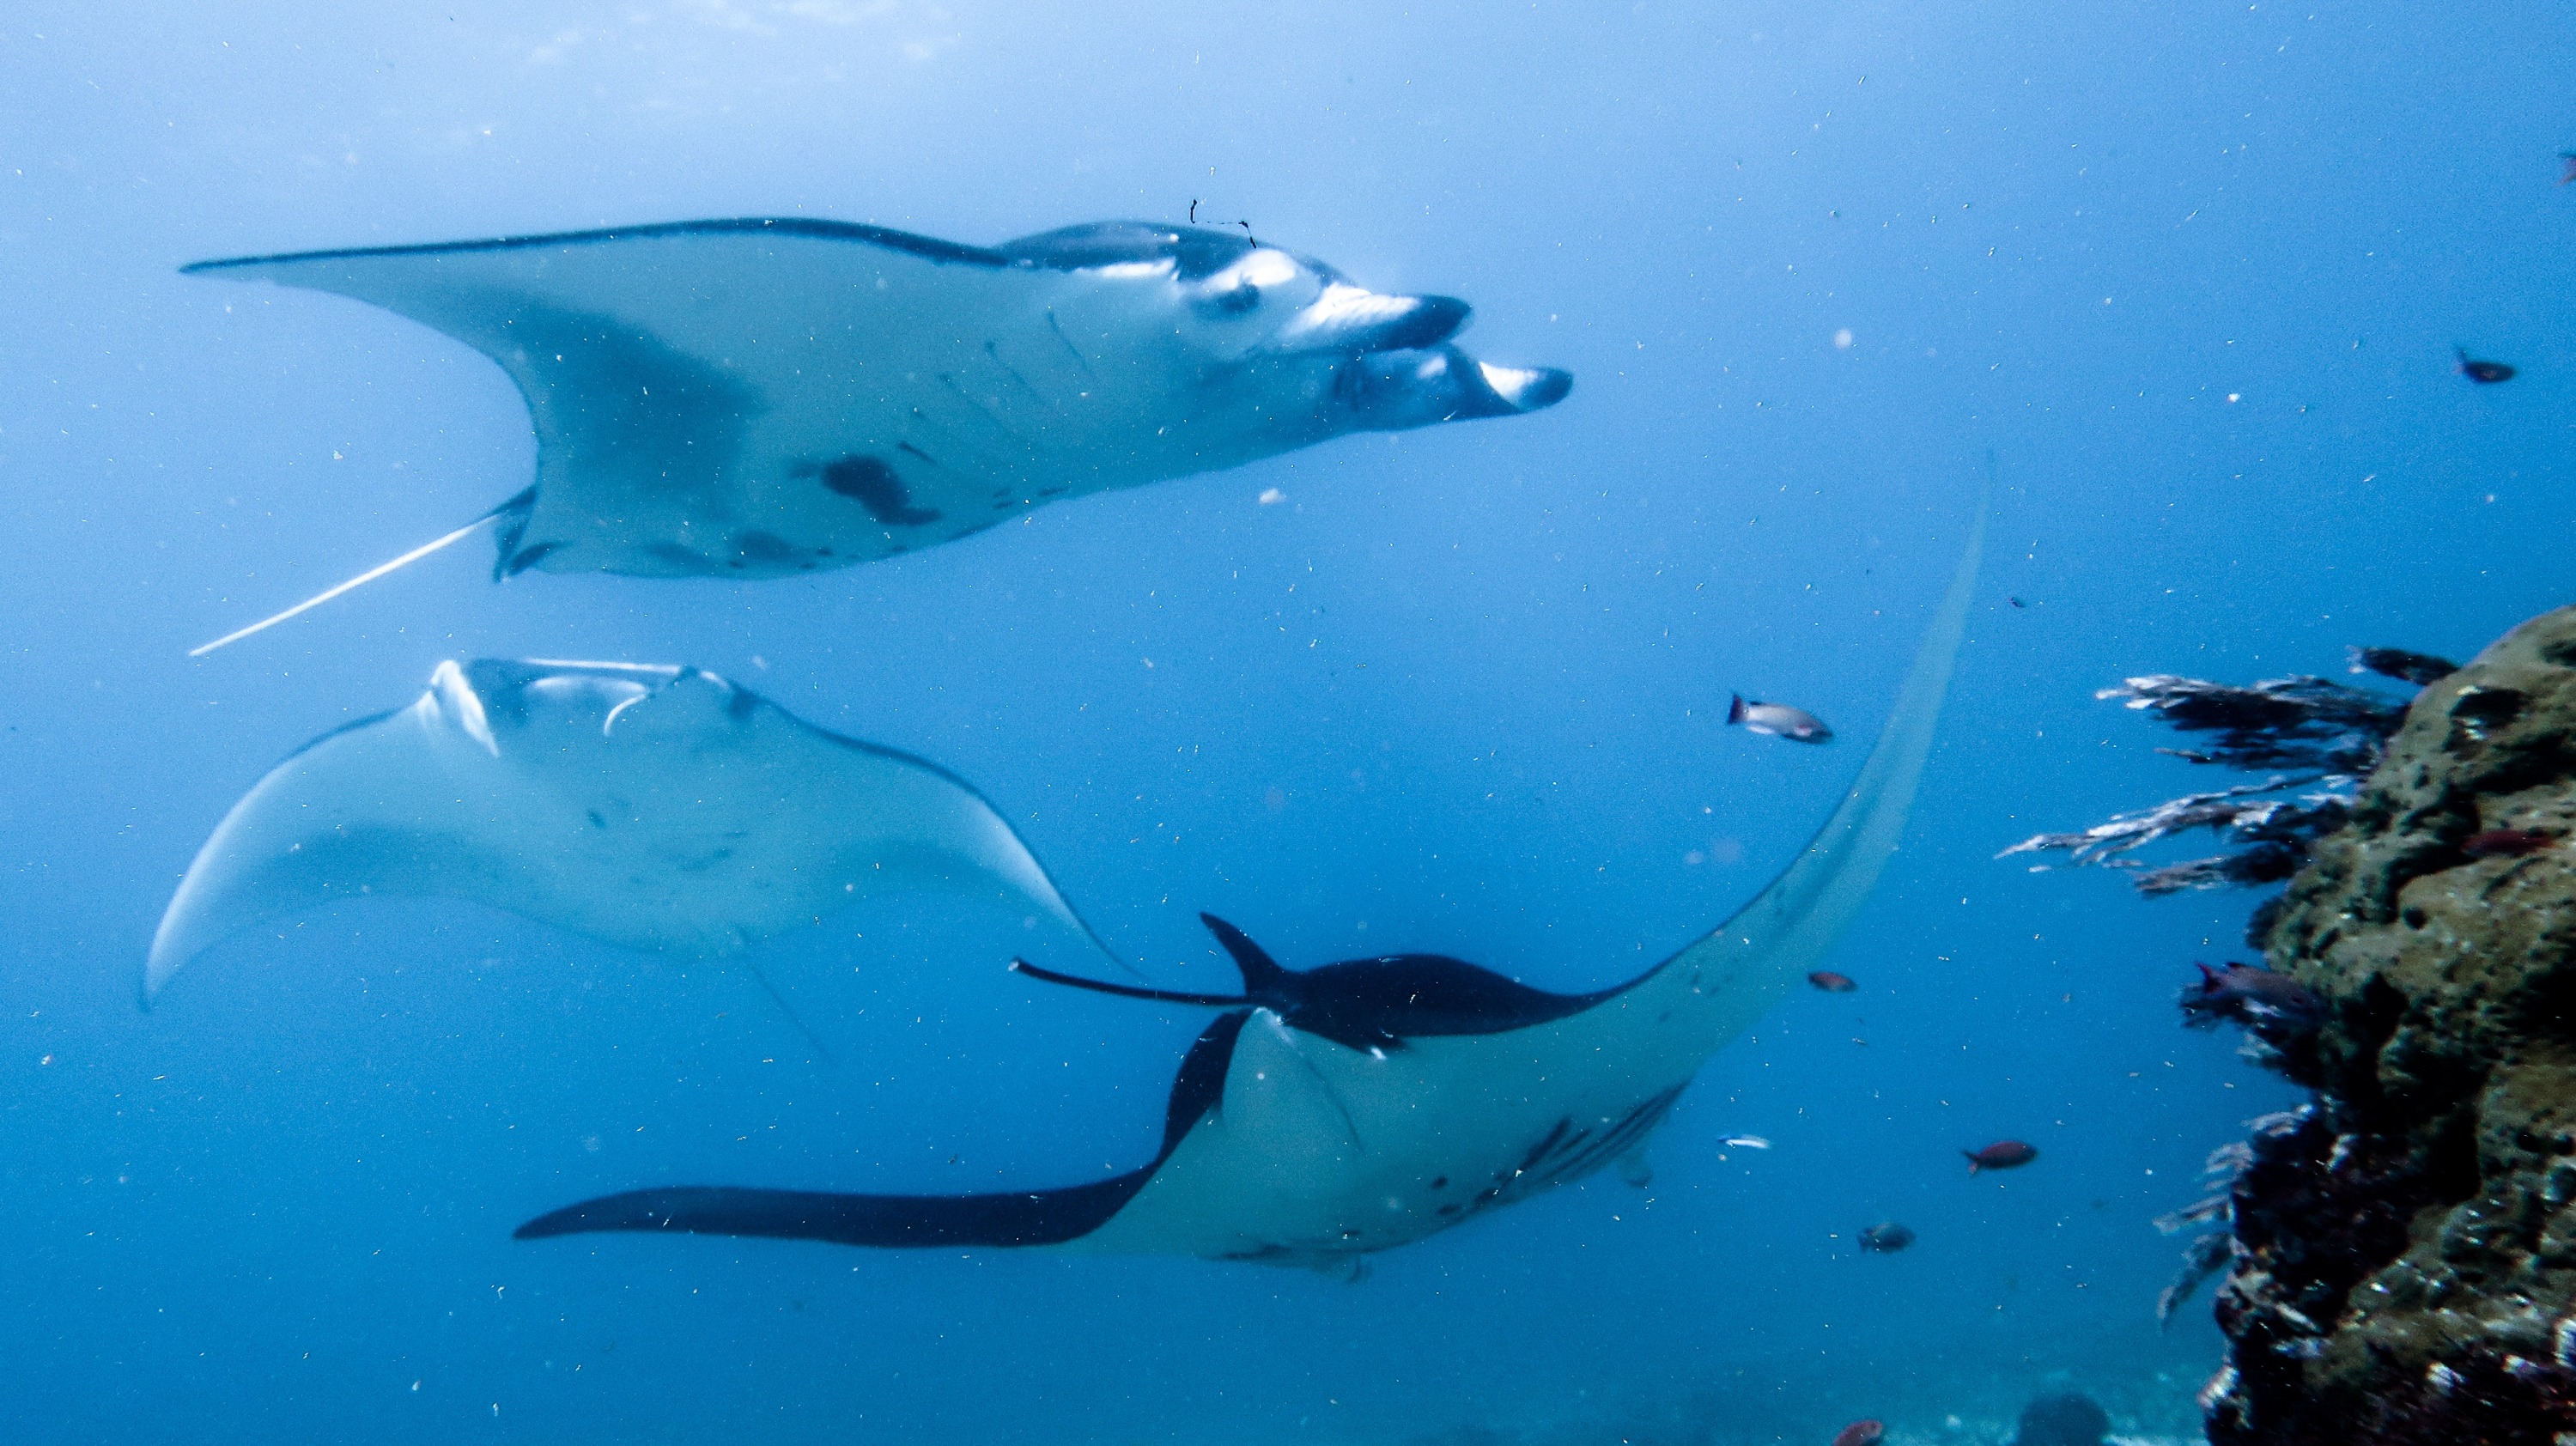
{"type": "Point", "coordinates": [658, 807]}
{"type": "Point", "coordinates": [1348, 1109]}
{"type": "Point", "coordinates": [769, 397]}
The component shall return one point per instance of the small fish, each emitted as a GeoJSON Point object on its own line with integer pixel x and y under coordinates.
{"type": "Point", "coordinates": [2405, 667]}
{"type": "Point", "coordinates": [2506, 843]}
{"type": "Point", "coordinates": [1886, 1238]}
{"type": "Point", "coordinates": [1779, 720]}
{"type": "Point", "coordinates": [1832, 983]}
{"type": "Point", "coordinates": [2484, 373]}
{"type": "Point", "coordinates": [1860, 1433]}
{"type": "Point", "coordinates": [2570, 158]}
{"type": "Point", "coordinates": [2271, 1003]}
{"type": "Point", "coordinates": [2001, 1155]}
{"type": "Point", "coordinates": [1746, 1142]}
{"type": "Point", "coordinates": [2016, 602]}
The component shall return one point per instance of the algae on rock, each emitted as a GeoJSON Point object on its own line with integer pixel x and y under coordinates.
{"type": "Point", "coordinates": [2405, 1263]}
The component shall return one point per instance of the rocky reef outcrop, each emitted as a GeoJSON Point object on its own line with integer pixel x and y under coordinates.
{"type": "Point", "coordinates": [2404, 1257]}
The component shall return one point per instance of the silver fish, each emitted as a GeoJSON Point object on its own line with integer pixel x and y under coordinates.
{"type": "Point", "coordinates": [1779, 720]}
{"type": "Point", "coordinates": [1745, 1142]}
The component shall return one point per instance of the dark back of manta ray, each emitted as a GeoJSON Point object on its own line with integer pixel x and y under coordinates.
{"type": "Point", "coordinates": [1380, 1003]}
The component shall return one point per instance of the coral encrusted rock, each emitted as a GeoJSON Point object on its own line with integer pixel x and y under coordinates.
{"type": "Point", "coordinates": [2405, 1264]}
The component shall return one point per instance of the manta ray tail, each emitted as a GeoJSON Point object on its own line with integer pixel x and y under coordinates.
{"type": "Point", "coordinates": [1127, 991]}
{"type": "Point", "coordinates": [1262, 974]}
{"type": "Point", "coordinates": [516, 504]}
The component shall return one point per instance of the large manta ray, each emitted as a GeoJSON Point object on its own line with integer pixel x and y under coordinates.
{"type": "Point", "coordinates": [1365, 1105]}
{"type": "Point", "coordinates": [766, 397]}
{"type": "Point", "coordinates": [661, 808]}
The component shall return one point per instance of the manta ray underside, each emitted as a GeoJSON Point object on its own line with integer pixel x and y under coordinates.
{"type": "Point", "coordinates": [768, 397]}
{"type": "Point", "coordinates": [661, 808]}
{"type": "Point", "coordinates": [1348, 1109]}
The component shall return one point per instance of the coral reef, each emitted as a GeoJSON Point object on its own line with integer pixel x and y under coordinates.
{"type": "Point", "coordinates": [2404, 1256]}
{"type": "Point", "coordinates": [2276, 833]}
{"type": "Point", "coordinates": [2299, 722]}
{"type": "Point", "coordinates": [2334, 734]}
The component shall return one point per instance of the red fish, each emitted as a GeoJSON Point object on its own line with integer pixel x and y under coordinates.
{"type": "Point", "coordinates": [2506, 843]}
{"type": "Point", "coordinates": [2001, 1155]}
{"type": "Point", "coordinates": [1832, 983]}
{"type": "Point", "coordinates": [2275, 1006]}
{"type": "Point", "coordinates": [1861, 1433]}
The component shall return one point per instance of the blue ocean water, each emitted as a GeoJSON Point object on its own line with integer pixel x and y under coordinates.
{"type": "Point", "coordinates": [2191, 274]}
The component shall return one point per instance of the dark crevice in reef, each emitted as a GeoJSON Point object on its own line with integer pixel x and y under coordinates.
{"type": "Point", "coordinates": [2403, 1266]}
{"type": "Point", "coordinates": [2311, 1211]}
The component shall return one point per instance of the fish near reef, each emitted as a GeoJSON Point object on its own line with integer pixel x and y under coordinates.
{"type": "Point", "coordinates": [2265, 1000]}
{"type": "Point", "coordinates": [2484, 373]}
{"type": "Point", "coordinates": [2406, 667]}
{"type": "Point", "coordinates": [1831, 982]}
{"type": "Point", "coordinates": [2506, 843]}
{"type": "Point", "coordinates": [2001, 1155]}
{"type": "Point", "coordinates": [1886, 1238]}
{"type": "Point", "coordinates": [1778, 720]}
{"type": "Point", "coordinates": [1861, 1433]}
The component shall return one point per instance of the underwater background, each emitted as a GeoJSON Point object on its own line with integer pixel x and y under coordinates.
{"type": "Point", "coordinates": [2192, 274]}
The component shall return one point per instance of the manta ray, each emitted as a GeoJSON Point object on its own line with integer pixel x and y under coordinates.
{"type": "Point", "coordinates": [657, 807]}
{"type": "Point", "coordinates": [773, 396]}
{"type": "Point", "coordinates": [1334, 1112]}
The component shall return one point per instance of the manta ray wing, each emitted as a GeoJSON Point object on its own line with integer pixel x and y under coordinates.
{"type": "Point", "coordinates": [1455, 1125]}
{"type": "Point", "coordinates": [1312, 1152]}
{"type": "Point", "coordinates": [661, 808]}
{"type": "Point", "coordinates": [759, 398]}
{"type": "Point", "coordinates": [1014, 1218]}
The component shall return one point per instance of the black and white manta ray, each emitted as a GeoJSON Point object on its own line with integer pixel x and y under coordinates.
{"type": "Point", "coordinates": [1347, 1109]}
{"type": "Point", "coordinates": [761, 398]}
{"type": "Point", "coordinates": [658, 807]}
